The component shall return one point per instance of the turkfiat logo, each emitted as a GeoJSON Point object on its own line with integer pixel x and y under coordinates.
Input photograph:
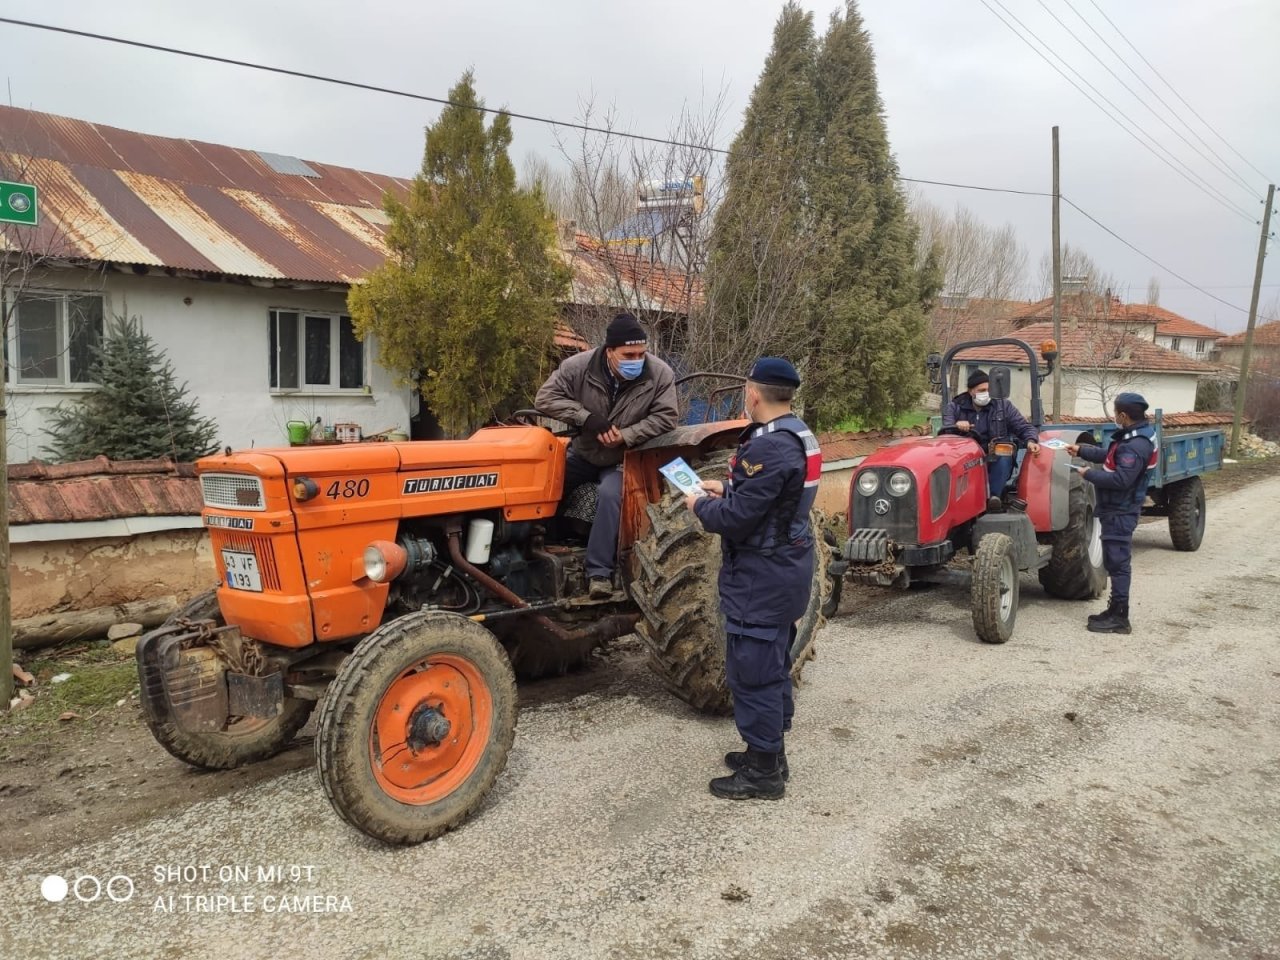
{"type": "Point", "coordinates": [881, 507]}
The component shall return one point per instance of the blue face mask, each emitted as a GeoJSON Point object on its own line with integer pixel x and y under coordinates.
{"type": "Point", "coordinates": [630, 369]}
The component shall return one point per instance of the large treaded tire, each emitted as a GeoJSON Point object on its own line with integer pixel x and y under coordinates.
{"type": "Point", "coordinates": [344, 738]}
{"type": "Point", "coordinates": [539, 658]}
{"type": "Point", "coordinates": [1075, 570]}
{"type": "Point", "coordinates": [1186, 514]}
{"type": "Point", "coordinates": [243, 742]}
{"type": "Point", "coordinates": [995, 589]}
{"type": "Point", "coordinates": [676, 590]}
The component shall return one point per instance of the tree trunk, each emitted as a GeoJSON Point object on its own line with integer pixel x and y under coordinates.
{"type": "Point", "coordinates": [73, 625]}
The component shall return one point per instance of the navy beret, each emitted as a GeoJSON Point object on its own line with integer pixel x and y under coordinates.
{"type": "Point", "coordinates": [774, 372]}
{"type": "Point", "coordinates": [1132, 400]}
{"type": "Point", "coordinates": [977, 377]}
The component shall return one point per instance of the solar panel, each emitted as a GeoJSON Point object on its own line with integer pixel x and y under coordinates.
{"type": "Point", "coordinates": [291, 166]}
{"type": "Point", "coordinates": [644, 225]}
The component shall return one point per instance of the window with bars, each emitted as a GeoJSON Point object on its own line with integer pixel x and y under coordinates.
{"type": "Point", "coordinates": [52, 337]}
{"type": "Point", "coordinates": [314, 351]}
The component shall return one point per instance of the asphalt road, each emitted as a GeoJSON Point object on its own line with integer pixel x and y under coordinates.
{"type": "Point", "coordinates": [1063, 795]}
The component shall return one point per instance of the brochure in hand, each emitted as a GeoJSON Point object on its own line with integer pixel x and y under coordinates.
{"type": "Point", "coordinates": [683, 477]}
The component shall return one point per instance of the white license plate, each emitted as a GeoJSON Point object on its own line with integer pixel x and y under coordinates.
{"type": "Point", "coordinates": [242, 570]}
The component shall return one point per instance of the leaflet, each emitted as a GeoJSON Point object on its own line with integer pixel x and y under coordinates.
{"type": "Point", "coordinates": [683, 477]}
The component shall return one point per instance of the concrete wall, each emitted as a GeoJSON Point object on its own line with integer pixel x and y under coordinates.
{"type": "Point", "coordinates": [1232, 355]}
{"type": "Point", "coordinates": [80, 574]}
{"type": "Point", "coordinates": [219, 345]}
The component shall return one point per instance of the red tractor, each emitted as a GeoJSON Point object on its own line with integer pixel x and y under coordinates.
{"type": "Point", "coordinates": [918, 503]}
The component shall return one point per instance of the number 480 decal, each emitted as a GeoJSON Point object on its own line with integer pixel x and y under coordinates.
{"type": "Point", "coordinates": [347, 489]}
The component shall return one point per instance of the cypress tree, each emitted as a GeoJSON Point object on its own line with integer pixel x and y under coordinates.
{"type": "Point", "coordinates": [467, 303]}
{"type": "Point", "coordinates": [868, 296]}
{"type": "Point", "coordinates": [137, 411]}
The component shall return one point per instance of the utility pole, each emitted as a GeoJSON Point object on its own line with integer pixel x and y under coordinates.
{"type": "Point", "coordinates": [1057, 284]}
{"type": "Point", "coordinates": [1242, 385]}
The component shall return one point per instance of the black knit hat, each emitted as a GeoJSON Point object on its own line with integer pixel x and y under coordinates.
{"type": "Point", "coordinates": [977, 377]}
{"type": "Point", "coordinates": [624, 330]}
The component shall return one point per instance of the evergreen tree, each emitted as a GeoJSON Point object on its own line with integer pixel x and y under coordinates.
{"type": "Point", "coordinates": [869, 296]}
{"type": "Point", "coordinates": [137, 411]}
{"type": "Point", "coordinates": [761, 243]}
{"type": "Point", "coordinates": [467, 302]}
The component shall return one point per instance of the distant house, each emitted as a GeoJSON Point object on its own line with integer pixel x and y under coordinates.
{"type": "Point", "coordinates": [238, 262]}
{"type": "Point", "coordinates": [1265, 354]}
{"type": "Point", "coordinates": [956, 318]}
{"type": "Point", "coordinates": [1163, 327]}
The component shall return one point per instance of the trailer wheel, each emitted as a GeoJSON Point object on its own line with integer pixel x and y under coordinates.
{"type": "Point", "coordinates": [416, 727]}
{"type": "Point", "coordinates": [1186, 514]}
{"type": "Point", "coordinates": [994, 598]}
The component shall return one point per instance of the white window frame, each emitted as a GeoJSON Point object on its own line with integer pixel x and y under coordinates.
{"type": "Point", "coordinates": [13, 371]}
{"type": "Point", "coordinates": [335, 355]}
{"type": "Point", "coordinates": [1175, 343]}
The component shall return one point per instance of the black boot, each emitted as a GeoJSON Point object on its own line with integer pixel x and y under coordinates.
{"type": "Point", "coordinates": [760, 776]}
{"type": "Point", "coordinates": [737, 759]}
{"type": "Point", "coordinates": [1116, 620]}
{"type": "Point", "coordinates": [1105, 614]}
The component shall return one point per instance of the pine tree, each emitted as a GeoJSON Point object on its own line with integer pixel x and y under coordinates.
{"type": "Point", "coordinates": [137, 411]}
{"type": "Point", "coordinates": [869, 296]}
{"type": "Point", "coordinates": [761, 243]}
{"type": "Point", "coordinates": [467, 302]}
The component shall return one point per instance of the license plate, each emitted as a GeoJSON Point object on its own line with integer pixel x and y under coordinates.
{"type": "Point", "coordinates": [242, 570]}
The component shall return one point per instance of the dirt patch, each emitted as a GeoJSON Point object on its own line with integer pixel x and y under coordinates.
{"type": "Point", "coordinates": [1233, 476]}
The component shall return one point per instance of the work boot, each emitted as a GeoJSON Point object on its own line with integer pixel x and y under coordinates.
{"type": "Point", "coordinates": [735, 760]}
{"type": "Point", "coordinates": [995, 505]}
{"type": "Point", "coordinates": [760, 777]}
{"type": "Point", "coordinates": [1105, 614]}
{"type": "Point", "coordinates": [600, 588]}
{"type": "Point", "coordinates": [1116, 620]}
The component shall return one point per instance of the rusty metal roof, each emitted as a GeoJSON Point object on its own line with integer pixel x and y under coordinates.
{"type": "Point", "coordinates": [124, 197]}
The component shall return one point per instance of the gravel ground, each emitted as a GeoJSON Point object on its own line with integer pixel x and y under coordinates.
{"type": "Point", "coordinates": [1065, 795]}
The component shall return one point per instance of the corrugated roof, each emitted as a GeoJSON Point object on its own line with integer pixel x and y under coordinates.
{"type": "Point", "coordinates": [125, 197]}
{"type": "Point", "coordinates": [1091, 346]}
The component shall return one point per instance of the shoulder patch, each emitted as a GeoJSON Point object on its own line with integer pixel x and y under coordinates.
{"type": "Point", "coordinates": [749, 468]}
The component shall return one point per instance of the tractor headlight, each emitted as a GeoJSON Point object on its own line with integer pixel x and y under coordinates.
{"type": "Point", "coordinates": [868, 483]}
{"type": "Point", "coordinates": [899, 482]}
{"type": "Point", "coordinates": [384, 560]}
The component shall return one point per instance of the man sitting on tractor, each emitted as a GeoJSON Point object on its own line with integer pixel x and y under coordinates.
{"type": "Point", "coordinates": [620, 397]}
{"type": "Point", "coordinates": [976, 414]}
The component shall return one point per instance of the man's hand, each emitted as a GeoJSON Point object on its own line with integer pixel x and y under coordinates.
{"type": "Point", "coordinates": [1073, 449]}
{"type": "Point", "coordinates": [595, 425]}
{"type": "Point", "coordinates": [963, 426]}
{"type": "Point", "coordinates": [611, 437]}
{"type": "Point", "coordinates": [714, 488]}
{"type": "Point", "coordinates": [1033, 448]}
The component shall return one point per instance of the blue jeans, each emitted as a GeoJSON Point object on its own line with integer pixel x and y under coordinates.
{"type": "Point", "coordinates": [999, 470]}
{"type": "Point", "coordinates": [602, 543]}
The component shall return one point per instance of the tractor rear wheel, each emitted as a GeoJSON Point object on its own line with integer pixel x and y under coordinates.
{"type": "Point", "coordinates": [1186, 514]}
{"type": "Point", "coordinates": [243, 740]}
{"type": "Point", "coordinates": [1075, 570]}
{"type": "Point", "coordinates": [416, 727]}
{"type": "Point", "coordinates": [676, 590]}
{"type": "Point", "coordinates": [994, 598]}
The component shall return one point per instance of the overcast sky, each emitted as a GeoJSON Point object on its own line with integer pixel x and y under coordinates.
{"type": "Point", "coordinates": [966, 100]}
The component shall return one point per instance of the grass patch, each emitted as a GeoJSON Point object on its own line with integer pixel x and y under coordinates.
{"type": "Point", "coordinates": [913, 418]}
{"type": "Point", "coordinates": [100, 678]}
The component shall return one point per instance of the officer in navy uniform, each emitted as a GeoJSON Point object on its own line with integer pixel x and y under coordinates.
{"type": "Point", "coordinates": [1121, 483]}
{"type": "Point", "coordinates": [762, 515]}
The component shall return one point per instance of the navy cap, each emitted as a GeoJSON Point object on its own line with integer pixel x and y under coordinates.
{"type": "Point", "coordinates": [774, 372]}
{"type": "Point", "coordinates": [1132, 400]}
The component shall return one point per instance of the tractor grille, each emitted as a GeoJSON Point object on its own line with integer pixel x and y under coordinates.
{"type": "Point", "coordinates": [232, 491]}
{"type": "Point", "coordinates": [896, 515]}
{"type": "Point", "coordinates": [263, 548]}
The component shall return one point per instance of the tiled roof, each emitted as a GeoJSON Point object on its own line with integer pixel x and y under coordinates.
{"type": "Point", "coordinates": [848, 446]}
{"type": "Point", "coordinates": [1174, 421]}
{"type": "Point", "coordinates": [609, 276]}
{"type": "Point", "coordinates": [1085, 306]}
{"type": "Point", "coordinates": [102, 489]}
{"type": "Point", "coordinates": [1092, 346]}
{"type": "Point", "coordinates": [1266, 334]}
{"type": "Point", "coordinates": [978, 319]}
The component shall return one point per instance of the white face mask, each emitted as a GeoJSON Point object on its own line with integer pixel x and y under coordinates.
{"type": "Point", "coordinates": [982, 398]}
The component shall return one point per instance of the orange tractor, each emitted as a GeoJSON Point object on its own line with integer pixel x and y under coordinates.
{"type": "Point", "coordinates": [403, 586]}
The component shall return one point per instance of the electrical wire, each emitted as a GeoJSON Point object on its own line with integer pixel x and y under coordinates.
{"type": "Point", "coordinates": [1193, 110]}
{"type": "Point", "coordinates": [1202, 187]}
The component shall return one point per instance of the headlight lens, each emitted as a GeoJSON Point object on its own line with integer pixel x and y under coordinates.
{"type": "Point", "coordinates": [868, 483]}
{"type": "Point", "coordinates": [375, 564]}
{"type": "Point", "coordinates": [899, 482]}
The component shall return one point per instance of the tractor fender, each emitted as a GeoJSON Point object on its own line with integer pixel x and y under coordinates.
{"type": "Point", "coordinates": [1018, 528]}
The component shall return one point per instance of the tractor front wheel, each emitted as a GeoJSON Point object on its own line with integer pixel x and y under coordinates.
{"type": "Point", "coordinates": [416, 727]}
{"type": "Point", "coordinates": [995, 589]}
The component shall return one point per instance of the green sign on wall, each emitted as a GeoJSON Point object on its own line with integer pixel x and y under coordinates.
{"type": "Point", "coordinates": [18, 203]}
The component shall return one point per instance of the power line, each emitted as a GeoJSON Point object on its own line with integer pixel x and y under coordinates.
{"type": "Point", "coordinates": [1202, 187]}
{"type": "Point", "coordinates": [1177, 94]}
{"type": "Point", "coordinates": [444, 101]}
{"type": "Point", "coordinates": [1173, 273]}
{"type": "Point", "coordinates": [1143, 80]}
{"type": "Point", "coordinates": [1236, 180]}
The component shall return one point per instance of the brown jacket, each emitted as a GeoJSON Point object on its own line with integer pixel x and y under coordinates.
{"type": "Point", "coordinates": [643, 409]}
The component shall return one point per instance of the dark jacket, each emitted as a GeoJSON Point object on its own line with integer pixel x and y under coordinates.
{"type": "Point", "coordinates": [770, 586]}
{"type": "Point", "coordinates": [1122, 479]}
{"type": "Point", "coordinates": [984, 420]}
{"type": "Point", "coordinates": [641, 409]}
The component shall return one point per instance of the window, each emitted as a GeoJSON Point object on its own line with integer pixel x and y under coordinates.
{"type": "Point", "coordinates": [52, 338]}
{"type": "Point", "coordinates": [313, 351]}
{"type": "Point", "coordinates": [1176, 344]}
{"type": "Point", "coordinates": [1202, 344]}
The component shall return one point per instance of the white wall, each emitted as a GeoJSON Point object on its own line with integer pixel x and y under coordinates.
{"type": "Point", "coordinates": [1172, 392]}
{"type": "Point", "coordinates": [219, 345]}
{"type": "Point", "coordinates": [1187, 345]}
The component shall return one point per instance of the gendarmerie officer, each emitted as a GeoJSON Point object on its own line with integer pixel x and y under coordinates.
{"type": "Point", "coordinates": [1121, 484]}
{"type": "Point", "coordinates": [762, 516]}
